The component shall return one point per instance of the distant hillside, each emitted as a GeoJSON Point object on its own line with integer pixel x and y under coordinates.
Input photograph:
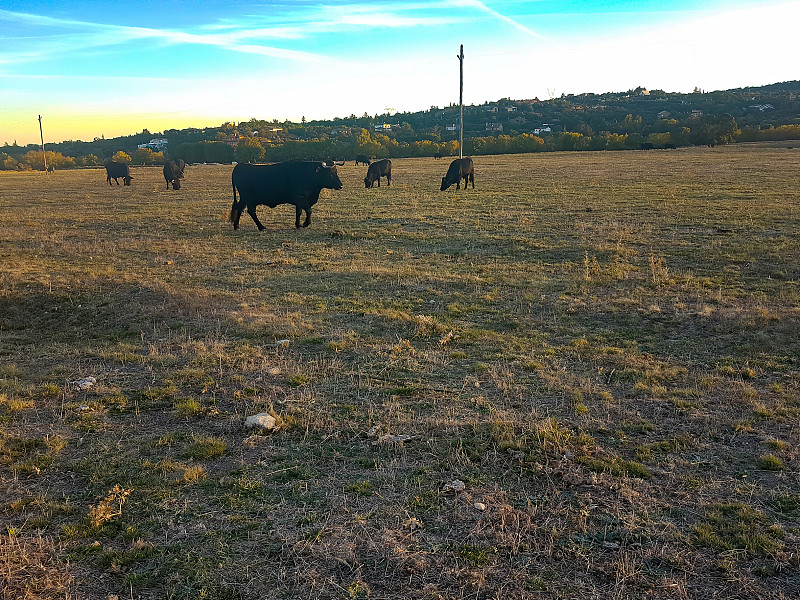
{"type": "Point", "coordinates": [611, 121]}
{"type": "Point", "coordinates": [784, 86]}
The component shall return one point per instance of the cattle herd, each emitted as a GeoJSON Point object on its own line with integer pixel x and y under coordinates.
{"type": "Point", "coordinates": [298, 183]}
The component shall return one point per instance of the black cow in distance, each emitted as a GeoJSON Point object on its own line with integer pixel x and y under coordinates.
{"type": "Point", "coordinates": [459, 168]}
{"type": "Point", "coordinates": [115, 170]}
{"type": "Point", "coordinates": [376, 170]}
{"type": "Point", "coordinates": [173, 173]}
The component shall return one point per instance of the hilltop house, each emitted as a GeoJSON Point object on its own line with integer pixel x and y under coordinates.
{"type": "Point", "coordinates": [231, 139]}
{"type": "Point", "coordinates": [156, 144]}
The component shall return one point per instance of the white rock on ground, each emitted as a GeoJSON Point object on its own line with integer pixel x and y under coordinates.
{"type": "Point", "coordinates": [263, 421]}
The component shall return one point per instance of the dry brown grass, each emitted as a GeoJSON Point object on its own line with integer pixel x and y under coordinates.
{"type": "Point", "coordinates": [602, 346]}
{"type": "Point", "coordinates": [30, 569]}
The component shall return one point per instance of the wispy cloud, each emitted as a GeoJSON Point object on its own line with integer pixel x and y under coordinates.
{"type": "Point", "coordinates": [476, 4]}
{"type": "Point", "coordinates": [245, 34]}
{"type": "Point", "coordinates": [102, 34]}
{"type": "Point", "coordinates": [392, 20]}
{"type": "Point", "coordinates": [310, 20]}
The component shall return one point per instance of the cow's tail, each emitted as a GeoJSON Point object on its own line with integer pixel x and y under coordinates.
{"type": "Point", "coordinates": [235, 206]}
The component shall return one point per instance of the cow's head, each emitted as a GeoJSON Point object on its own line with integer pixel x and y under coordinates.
{"type": "Point", "coordinates": [127, 179]}
{"type": "Point", "coordinates": [330, 177]}
{"type": "Point", "coordinates": [445, 184]}
{"type": "Point", "coordinates": [176, 184]}
{"type": "Point", "coordinates": [368, 182]}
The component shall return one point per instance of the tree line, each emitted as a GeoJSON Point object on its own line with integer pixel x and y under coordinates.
{"type": "Point", "coordinates": [35, 160]}
{"type": "Point", "coordinates": [577, 123]}
{"type": "Point", "coordinates": [708, 130]}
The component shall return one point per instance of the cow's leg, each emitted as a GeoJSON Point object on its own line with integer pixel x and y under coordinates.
{"type": "Point", "coordinates": [458, 183]}
{"type": "Point", "coordinates": [236, 212]}
{"type": "Point", "coordinates": [307, 222]}
{"type": "Point", "coordinates": [472, 179]}
{"type": "Point", "coordinates": [389, 179]}
{"type": "Point", "coordinates": [379, 180]}
{"type": "Point", "coordinates": [108, 179]}
{"type": "Point", "coordinates": [251, 210]}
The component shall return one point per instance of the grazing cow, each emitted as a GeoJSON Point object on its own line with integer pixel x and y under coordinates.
{"type": "Point", "coordinates": [647, 146]}
{"type": "Point", "coordinates": [115, 170]}
{"type": "Point", "coordinates": [296, 183]}
{"type": "Point", "coordinates": [173, 173]}
{"type": "Point", "coordinates": [362, 158]}
{"type": "Point", "coordinates": [460, 167]}
{"type": "Point", "coordinates": [376, 170]}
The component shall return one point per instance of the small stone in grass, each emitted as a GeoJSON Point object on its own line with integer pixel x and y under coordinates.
{"type": "Point", "coordinates": [263, 421]}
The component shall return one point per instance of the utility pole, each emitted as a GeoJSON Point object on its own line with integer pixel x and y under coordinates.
{"type": "Point", "coordinates": [41, 136]}
{"type": "Point", "coordinates": [460, 102]}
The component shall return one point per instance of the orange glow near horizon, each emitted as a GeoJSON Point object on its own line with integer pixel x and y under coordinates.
{"type": "Point", "coordinates": [65, 127]}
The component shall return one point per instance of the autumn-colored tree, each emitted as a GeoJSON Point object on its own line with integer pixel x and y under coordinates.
{"type": "Point", "coordinates": [249, 150]}
{"type": "Point", "coordinates": [143, 156]}
{"type": "Point", "coordinates": [87, 161]}
{"type": "Point", "coordinates": [8, 163]}
{"type": "Point", "coordinates": [56, 160]}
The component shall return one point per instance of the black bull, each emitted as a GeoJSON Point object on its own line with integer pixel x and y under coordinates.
{"type": "Point", "coordinates": [296, 183]}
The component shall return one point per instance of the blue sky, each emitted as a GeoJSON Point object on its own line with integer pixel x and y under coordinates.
{"type": "Point", "coordinates": [115, 68]}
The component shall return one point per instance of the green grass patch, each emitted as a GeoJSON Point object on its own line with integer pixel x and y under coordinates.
{"type": "Point", "coordinates": [770, 462]}
{"type": "Point", "coordinates": [738, 527]}
{"type": "Point", "coordinates": [205, 447]}
{"type": "Point", "coordinates": [619, 467]}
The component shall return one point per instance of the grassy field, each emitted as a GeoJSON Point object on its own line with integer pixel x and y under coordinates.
{"type": "Point", "coordinates": [604, 348]}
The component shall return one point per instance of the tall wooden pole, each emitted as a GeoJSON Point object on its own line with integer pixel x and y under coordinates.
{"type": "Point", "coordinates": [460, 102]}
{"type": "Point", "coordinates": [41, 136]}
